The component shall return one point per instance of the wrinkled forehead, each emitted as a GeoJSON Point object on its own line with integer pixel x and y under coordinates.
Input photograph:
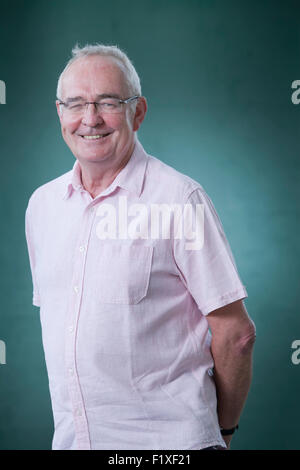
{"type": "Point", "coordinates": [93, 75]}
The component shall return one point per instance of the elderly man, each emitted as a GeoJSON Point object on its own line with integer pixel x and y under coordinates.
{"type": "Point", "coordinates": [147, 341]}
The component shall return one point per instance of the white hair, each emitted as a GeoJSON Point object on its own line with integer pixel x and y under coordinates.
{"type": "Point", "coordinates": [131, 76]}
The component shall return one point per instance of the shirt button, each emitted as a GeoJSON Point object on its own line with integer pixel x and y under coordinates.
{"type": "Point", "coordinates": [71, 371]}
{"type": "Point", "coordinates": [210, 372]}
{"type": "Point", "coordinates": [76, 289]}
{"type": "Point", "coordinates": [77, 412]}
{"type": "Point", "coordinates": [71, 329]}
{"type": "Point", "coordinates": [81, 248]}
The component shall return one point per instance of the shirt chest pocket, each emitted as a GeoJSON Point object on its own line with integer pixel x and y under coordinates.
{"type": "Point", "coordinates": [123, 273]}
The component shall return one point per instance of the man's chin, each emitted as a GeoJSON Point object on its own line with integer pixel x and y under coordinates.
{"type": "Point", "coordinates": [92, 156]}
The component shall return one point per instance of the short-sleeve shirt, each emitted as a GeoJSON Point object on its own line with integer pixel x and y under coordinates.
{"type": "Point", "coordinates": [124, 282]}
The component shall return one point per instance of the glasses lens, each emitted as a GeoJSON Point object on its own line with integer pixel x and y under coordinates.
{"type": "Point", "coordinates": [105, 105]}
{"type": "Point", "coordinates": [110, 105]}
{"type": "Point", "coordinates": [75, 108]}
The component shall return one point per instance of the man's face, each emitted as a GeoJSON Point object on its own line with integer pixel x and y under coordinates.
{"type": "Point", "coordinates": [88, 78]}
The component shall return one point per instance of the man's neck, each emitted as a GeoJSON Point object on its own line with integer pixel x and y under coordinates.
{"type": "Point", "coordinates": [96, 177]}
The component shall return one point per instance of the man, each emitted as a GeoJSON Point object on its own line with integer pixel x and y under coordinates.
{"type": "Point", "coordinates": [147, 341]}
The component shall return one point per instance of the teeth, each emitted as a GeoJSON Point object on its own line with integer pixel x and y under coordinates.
{"type": "Point", "coordinates": [90, 137]}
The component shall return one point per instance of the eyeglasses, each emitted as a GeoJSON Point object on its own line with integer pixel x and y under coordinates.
{"type": "Point", "coordinates": [108, 105]}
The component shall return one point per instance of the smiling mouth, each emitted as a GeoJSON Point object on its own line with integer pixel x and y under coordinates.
{"type": "Point", "coordinates": [95, 137]}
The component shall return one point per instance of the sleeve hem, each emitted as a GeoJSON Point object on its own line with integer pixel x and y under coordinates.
{"type": "Point", "coordinates": [225, 299]}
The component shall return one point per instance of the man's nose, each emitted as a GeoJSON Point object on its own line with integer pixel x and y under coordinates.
{"type": "Point", "coordinates": [91, 116]}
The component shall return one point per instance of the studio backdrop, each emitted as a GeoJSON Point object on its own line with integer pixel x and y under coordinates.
{"type": "Point", "coordinates": [221, 81]}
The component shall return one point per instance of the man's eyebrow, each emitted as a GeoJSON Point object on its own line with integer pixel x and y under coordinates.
{"type": "Point", "coordinates": [109, 95]}
{"type": "Point", "coordinates": [103, 95]}
{"type": "Point", "coordinates": [75, 98]}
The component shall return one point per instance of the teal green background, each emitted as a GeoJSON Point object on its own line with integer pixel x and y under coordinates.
{"type": "Point", "coordinates": [217, 76]}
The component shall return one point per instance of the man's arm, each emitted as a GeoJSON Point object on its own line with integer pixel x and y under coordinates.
{"type": "Point", "coordinates": [233, 337]}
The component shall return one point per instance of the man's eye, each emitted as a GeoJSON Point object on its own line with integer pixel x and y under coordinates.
{"type": "Point", "coordinates": [75, 107]}
{"type": "Point", "coordinates": [108, 104]}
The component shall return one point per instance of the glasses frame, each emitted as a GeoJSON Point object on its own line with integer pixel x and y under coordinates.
{"type": "Point", "coordinates": [96, 103]}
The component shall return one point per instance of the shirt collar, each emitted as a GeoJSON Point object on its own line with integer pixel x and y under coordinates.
{"type": "Point", "coordinates": [131, 177]}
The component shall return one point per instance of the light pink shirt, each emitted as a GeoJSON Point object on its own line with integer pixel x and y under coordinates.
{"type": "Point", "coordinates": [124, 328]}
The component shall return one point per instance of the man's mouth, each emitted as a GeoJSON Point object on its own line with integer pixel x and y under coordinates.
{"type": "Point", "coordinates": [95, 137]}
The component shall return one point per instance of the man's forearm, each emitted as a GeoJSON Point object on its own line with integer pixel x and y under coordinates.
{"type": "Point", "coordinates": [232, 375]}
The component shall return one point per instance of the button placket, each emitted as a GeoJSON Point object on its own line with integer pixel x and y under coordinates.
{"type": "Point", "coordinates": [79, 415]}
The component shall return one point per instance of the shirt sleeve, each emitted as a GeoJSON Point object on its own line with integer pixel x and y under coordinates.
{"type": "Point", "coordinates": [30, 247]}
{"type": "Point", "coordinates": [208, 270]}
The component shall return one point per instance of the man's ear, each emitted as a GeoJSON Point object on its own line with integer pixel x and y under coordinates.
{"type": "Point", "coordinates": [59, 109]}
{"type": "Point", "coordinates": [140, 112]}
